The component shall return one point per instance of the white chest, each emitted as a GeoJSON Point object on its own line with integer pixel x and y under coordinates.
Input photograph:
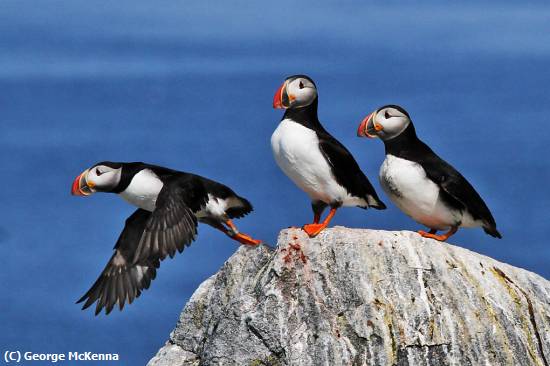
{"type": "Point", "coordinates": [296, 151]}
{"type": "Point", "coordinates": [407, 185]}
{"type": "Point", "coordinates": [143, 190]}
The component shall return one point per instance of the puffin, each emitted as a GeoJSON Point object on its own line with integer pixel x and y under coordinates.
{"type": "Point", "coordinates": [169, 204]}
{"type": "Point", "coordinates": [420, 183]}
{"type": "Point", "coordinates": [313, 159]}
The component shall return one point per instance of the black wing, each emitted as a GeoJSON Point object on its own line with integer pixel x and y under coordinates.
{"type": "Point", "coordinates": [122, 280]}
{"type": "Point", "coordinates": [172, 225]}
{"type": "Point", "coordinates": [461, 194]}
{"type": "Point", "coordinates": [346, 171]}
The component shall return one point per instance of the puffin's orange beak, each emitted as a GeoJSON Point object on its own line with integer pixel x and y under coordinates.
{"type": "Point", "coordinates": [367, 127]}
{"type": "Point", "coordinates": [279, 97]}
{"type": "Point", "coordinates": [80, 187]}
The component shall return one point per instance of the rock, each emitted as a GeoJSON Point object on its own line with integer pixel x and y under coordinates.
{"type": "Point", "coordinates": [363, 297]}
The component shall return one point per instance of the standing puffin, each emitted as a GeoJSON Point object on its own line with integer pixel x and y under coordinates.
{"type": "Point", "coordinates": [169, 205]}
{"type": "Point", "coordinates": [420, 183]}
{"type": "Point", "coordinates": [314, 160]}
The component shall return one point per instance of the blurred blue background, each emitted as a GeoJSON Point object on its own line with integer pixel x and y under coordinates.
{"type": "Point", "coordinates": [189, 85]}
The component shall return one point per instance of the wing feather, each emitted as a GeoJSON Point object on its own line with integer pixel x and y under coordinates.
{"type": "Point", "coordinates": [459, 192]}
{"type": "Point", "coordinates": [121, 280]}
{"type": "Point", "coordinates": [346, 171]}
{"type": "Point", "coordinates": [173, 224]}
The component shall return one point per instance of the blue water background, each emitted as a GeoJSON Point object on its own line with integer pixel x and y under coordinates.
{"type": "Point", "coordinates": [189, 85]}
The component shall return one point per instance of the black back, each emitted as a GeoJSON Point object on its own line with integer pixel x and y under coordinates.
{"type": "Point", "coordinates": [129, 170]}
{"type": "Point", "coordinates": [175, 177]}
{"type": "Point", "coordinates": [456, 190]}
{"type": "Point", "coordinates": [210, 187]}
{"type": "Point", "coordinates": [344, 168]}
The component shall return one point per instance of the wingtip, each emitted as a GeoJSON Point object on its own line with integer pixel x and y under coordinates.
{"type": "Point", "coordinates": [98, 308]}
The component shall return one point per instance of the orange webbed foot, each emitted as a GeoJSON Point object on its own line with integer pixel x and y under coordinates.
{"type": "Point", "coordinates": [426, 234]}
{"type": "Point", "coordinates": [313, 229]}
{"type": "Point", "coordinates": [246, 240]}
{"type": "Point", "coordinates": [432, 234]}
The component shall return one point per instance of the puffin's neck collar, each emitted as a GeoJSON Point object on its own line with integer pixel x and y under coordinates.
{"type": "Point", "coordinates": [129, 170]}
{"type": "Point", "coordinates": [306, 116]}
{"type": "Point", "coordinates": [402, 142]}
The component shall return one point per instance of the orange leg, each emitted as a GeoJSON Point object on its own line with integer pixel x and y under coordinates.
{"type": "Point", "coordinates": [316, 218]}
{"type": "Point", "coordinates": [314, 229]}
{"type": "Point", "coordinates": [234, 233]}
{"type": "Point", "coordinates": [318, 207]}
{"type": "Point", "coordinates": [441, 237]}
{"type": "Point", "coordinates": [240, 237]}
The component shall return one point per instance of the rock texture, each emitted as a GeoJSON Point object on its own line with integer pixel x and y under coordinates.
{"type": "Point", "coordinates": [363, 297]}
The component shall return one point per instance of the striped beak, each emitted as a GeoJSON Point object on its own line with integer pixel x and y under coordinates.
{"type": "Point", "coordinates": [280, 99]}
{"type": "Point", "coordinates": [367, 128]}
{"type": "Point", "coordinates": [80, 186]}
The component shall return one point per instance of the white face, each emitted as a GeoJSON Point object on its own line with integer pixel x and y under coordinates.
{"type": "Point", "coordinates": [387, 123]}
{"type": "Point", "coordinates": [103, 178]}
{"type": "Point", "coordinates": [301, 92]}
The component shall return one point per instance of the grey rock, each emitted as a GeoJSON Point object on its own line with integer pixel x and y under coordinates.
{"type": "Point", "coordinates": [363, 297]}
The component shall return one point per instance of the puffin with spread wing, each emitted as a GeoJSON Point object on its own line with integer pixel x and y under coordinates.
{"type": "Point", "coordinates": [169, 205]}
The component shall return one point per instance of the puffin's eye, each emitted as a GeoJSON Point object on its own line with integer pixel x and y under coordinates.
{"type": "Point", "coordinates": [98, 172]}
{"type": "Point", "coordinates": [387, 115]}
{"type": "Point", "coordinates": [301, 85]}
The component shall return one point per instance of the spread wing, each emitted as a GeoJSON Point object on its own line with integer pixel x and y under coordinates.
{"type": "Point", "coordinates": [172, 225]}
{"type": "Point", "coordinates": [122, 280]}
{"type": "Point", "coordinates": [346, 171]}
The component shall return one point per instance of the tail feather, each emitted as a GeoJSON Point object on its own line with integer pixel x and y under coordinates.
{"type": "Point", "coordinates": [240, 207]}
{"type": "Point", "coordinates": [376, 203]}
{"type": "Point", "coordinates": [492, 230]}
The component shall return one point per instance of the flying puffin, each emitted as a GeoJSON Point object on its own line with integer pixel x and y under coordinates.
{"type": "Point", "coordinates": [169, 205]}
{"type": "Point", "coordinates": [314, 160]}
{"type": "Point", "coordinates": [420, 183]}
